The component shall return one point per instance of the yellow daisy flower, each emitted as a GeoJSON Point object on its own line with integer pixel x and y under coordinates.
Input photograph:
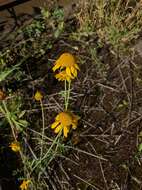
{"type": "Point", "coordinates": [24, 185]}
{"type": "Point", "coordinates": [66, 62]}
{"type": "Point", "coordinates": [38, 96]}
{"type": "Point", "coordinates": [63, 76]}
{"type": "Point", "coordinates": [15, 146]}
{"type": "Point", "coordinates": [64, 121]}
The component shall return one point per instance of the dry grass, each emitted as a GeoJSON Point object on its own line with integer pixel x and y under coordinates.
{"type": "Point", "coordinates": [115, 23]}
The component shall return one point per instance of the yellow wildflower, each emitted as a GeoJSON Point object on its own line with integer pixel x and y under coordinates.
{"type": "Point", "coordinates": [63, 76]}
{"type": "Point", "coordinates": [64, 121]}
{"type": "Point", "coordinates": [24, 185]}
{"type": "Point", "coordinates": [66, 62]}
{"type": "Point", "coordinates": [15, 146]}
{"type": "Point", "coordinates": [38, 96]}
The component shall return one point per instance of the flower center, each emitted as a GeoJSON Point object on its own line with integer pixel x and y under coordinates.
{"type": "Point", "coordinates": [65, 119]}
{"type": "Point", "coordinates": [67, 60]}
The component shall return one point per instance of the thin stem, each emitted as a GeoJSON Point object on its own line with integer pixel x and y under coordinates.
{"type": "Point", "coordinates": [54, 154]}
{"type": "Point", "coordinates": [8, 116]}
{"type": "Point", "coordinates": [47, 153]}
{"type": "Point", "coordinates": [65, 95]}
{"type": "Point", "coordinates": [43, 128]}
{"type": "Point", "coordinates": [68, 95]}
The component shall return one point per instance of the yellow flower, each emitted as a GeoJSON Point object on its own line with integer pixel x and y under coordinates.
{"type": "Point", "coordinates": [64, 121]}
{"type": "Point", "coordinates": [38, 96]}
{"type": "Point", "coordinates": [15, 146]}
{"type": "Point", "coordinates": [24, 185]}
{"type": "Point", "coordinates": [67, 64]}
{"type": "Point", "coordinates": [63, 76]}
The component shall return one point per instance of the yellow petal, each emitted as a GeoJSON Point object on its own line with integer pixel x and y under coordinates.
{"type": "Point", "coordinates": [68, 79]}
{"type": "Point", "coordinates": [60, 76]}
{"type": "Point", "coordinates": [38, 96]}
{"type": "Point", "coordinates": [57, 66]}
{"type": "Point", "coordinates": [15, 146]}
{"type": "Point", "coordinates": [74, 126]}
{"type": "Point", "coordinates": [66, 130]}
{"type": "Point", "coordinates": [57, 76]}
{"type": "Point", "coordinates": [24, 185]}
{"type": "Point", "coordinates": [54, 125]}
{"type": "Point", "coordinates": [75, 73]}
{"type": "Point", "coordinates": [57, 118]}
{"type": "Point", "coordinates": [58, 128]}
{"type": "Point", "coordinates": [72, 69]}
{"type": "Point", "coordinates": [68, 71]}
{"type": "Point", "coordinates": [76, 66]}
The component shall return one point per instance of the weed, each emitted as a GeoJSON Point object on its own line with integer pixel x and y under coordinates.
{"type": "Point", "coordinates": [116, 23]}
{"type": "Point", "coordinates": [35, 161]}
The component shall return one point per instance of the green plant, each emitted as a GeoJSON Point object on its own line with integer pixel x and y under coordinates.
{"type": "Point", "coordinates": [37, 159]}
{"type": "Point", "coordinates": [34, 29]}
{"type": "Point", "coordinates": [115, 23]}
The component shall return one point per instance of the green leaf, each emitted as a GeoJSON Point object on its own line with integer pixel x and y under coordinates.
{"type": "Point", "coordinates": [22, 114]}
{"type": "Point", "coordinates": [4, 74]}
{"type": "Point", "coordinates": [23, 123]}
{"type": "Point", "coordinates": [140, 147]}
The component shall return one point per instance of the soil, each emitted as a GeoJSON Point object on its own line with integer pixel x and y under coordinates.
{"type": "Point", "coordinates": [105, 154]}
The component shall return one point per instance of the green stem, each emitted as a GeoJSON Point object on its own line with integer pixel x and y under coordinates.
{"type": "Point", "coordinates": [68, 95]}
{"type": "Point", "coordinates": [65, 95]}
{"type": "Point", "coordinates": [47, 153]}
{"type": "Point", "coordinates": [8, 117]}
{"type": "Point", "coordinates": [43, 128]}
{"type": "Point", "coordinates": [53, 155]}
